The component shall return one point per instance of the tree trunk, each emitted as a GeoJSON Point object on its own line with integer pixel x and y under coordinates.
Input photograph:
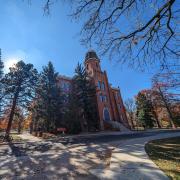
{"type": "Point", "coordinates": [168, 109]}
{"type": "Point", "coordinates": [132, 122]}
{"type": "Point", "coordinates": [170, 117]}
{"type": "Point", "coordinates": [8, 129]}
{"type": "Point", "coordinates": [157, 120]}
{"type": "Point", "coordinates": [20, 125]}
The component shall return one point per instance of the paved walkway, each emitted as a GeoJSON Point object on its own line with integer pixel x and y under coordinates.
{"type": "Point", "coordinates": [105, 133]}
{"type": "Point", "coordinates": [56, 163]}
{"type": "Point", "coordinates": [38, 160]}
{"type": "Point", "coordinates": [29, 137]}
{"type": "Point", "coordinates": [130, 161]}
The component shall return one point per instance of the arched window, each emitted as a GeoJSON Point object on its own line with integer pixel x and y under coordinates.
{"type": "Point", "coordinates": [106, 114]}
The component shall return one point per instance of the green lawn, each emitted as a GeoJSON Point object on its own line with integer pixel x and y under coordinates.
{"type": "Point", "coordinates": [166, 154]}
{"type": "Point", "coordinates": [14, 136]}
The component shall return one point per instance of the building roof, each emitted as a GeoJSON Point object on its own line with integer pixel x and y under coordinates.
{"type": "Point", "coordinates": [115, 88]}
{"type": "Point", "coordinates": [64, 77]}
{"type": "Point", "coordinates": [91, 54]}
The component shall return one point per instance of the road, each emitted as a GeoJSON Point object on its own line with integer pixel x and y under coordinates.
{"type": "Point", "coordinates": [111, 137]}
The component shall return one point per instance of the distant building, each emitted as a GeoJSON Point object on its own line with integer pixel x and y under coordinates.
{"type": "Point", "coordinates": [109, 101]}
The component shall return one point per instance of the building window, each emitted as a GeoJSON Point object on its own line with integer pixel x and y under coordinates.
{"type": "Point", "coordinates": [99, 84]}
{"type": "Point", "coordinates": [97, 65]}
{"type": "Point", "coordinates": [119, 106]}
{"type": "Point", "coordinates": [87, 67]}
{"type": "Point", "coordinates": [106, 114]}
{"type": "Point", "coordinates": [103, 86]}
{"type": "Point", "coordinates": [101, 97]}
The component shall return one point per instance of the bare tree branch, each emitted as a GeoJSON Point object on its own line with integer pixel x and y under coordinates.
{"type": "Point", "coordinates": [154, 41]}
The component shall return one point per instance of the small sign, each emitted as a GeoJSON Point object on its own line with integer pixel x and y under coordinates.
{"type": "Point", "coordinates": [61, 129]}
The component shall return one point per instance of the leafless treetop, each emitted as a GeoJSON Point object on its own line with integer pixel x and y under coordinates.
{"type": "Point", "coordinates": [136, 32]}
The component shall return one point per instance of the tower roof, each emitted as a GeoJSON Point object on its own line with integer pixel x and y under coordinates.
{"type": "Point", "coordinates": [91, 54]}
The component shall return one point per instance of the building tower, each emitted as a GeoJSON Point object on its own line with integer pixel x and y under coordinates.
{"type": "Point", "coordinates": [109, 101]}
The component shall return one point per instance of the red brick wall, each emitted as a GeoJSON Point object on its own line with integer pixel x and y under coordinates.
{"type": "Point", "coordinates": [118, 114]}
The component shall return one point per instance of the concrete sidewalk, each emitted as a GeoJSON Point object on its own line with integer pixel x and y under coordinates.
{"type": "Point", "coordinates": [130, 161]}
{"type": "Point", "coordinates": [117, 133]}
{"type": "Point", "coordinates": [29, 137]}
{"type": "Point", "coordinates": [55, 163]}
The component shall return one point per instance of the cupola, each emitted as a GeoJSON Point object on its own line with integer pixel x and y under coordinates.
{"type": "Point", "coordinates": [91, 54]}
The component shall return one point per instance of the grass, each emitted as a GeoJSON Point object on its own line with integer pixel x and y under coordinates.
{"type": "Point", "coordinates": [166, 155]}
{"type": "Point", "coordinates": [15, 138]}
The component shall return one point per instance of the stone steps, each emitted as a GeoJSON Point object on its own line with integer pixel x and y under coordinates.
{"type": "Point", "coordinates": [119, 126]}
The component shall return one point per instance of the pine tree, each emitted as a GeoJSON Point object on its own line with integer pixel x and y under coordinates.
{"type": "Point", "coordinates": [1, 84]}
{"type": "Point", "coordinates": [86, 93]}
{"type": "Point", "coordinates": [19, 85]}
{"type": "Point", "coordinates": [72, 118]}
{"type": "Point", "coordinates": [144, 111]}
{"type": "Point", "coordinates": [47, 108]}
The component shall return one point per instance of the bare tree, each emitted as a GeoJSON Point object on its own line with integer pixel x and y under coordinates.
{"type": "Point", "coordinates": [163, 98]}
{"type": "Point", "coordinates": [131, 109]}
{"type": "Point", "coordinates": [136, 32]}
{"type": "Point", "coordinates": [169, 77]}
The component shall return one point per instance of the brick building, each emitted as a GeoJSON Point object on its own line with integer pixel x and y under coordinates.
{"type": "Point", "coordinates": [109, 100]}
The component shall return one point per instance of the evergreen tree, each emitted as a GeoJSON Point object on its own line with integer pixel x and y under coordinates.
{"type": "Point", "coordinates": [86, 93]}
{"type": "Point", "coordinates": [72, 118]}
{"type": "Point", "coordinates": [144, 111]}
{"type": "Point", "coordinates": [1, 84]}
{"type": "Point", "coordinates": [47, 108]}
{"type": "Point", "coordinates": [19, 85]}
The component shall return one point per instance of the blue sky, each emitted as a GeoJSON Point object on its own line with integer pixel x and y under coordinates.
{"type": "Point", "coordinates": [29, 35]}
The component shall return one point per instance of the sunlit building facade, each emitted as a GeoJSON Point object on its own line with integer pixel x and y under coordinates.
{"type": "Point", "coordinates": [109, 101]}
